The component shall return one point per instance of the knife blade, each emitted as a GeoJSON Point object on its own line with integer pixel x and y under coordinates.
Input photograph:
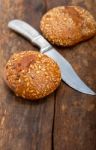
{"type": "Point", "coordinates": [68, 74]}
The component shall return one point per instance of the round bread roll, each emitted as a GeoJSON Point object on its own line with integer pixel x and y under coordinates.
{"type": "Point", "coordinates": [67, 25]}
{"type": "Point", "coordinates": [32, 75]}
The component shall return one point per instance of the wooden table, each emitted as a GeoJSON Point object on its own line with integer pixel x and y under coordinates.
{"type": "Point", "coordinates": [66, 119]}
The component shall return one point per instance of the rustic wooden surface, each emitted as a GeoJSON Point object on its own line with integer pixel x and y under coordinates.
{"type": "Point", "coordinates": [66, 119]}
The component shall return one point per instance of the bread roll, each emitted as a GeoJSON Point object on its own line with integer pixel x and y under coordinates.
{"type": "Point", "coordinates": [32, 75]}
{"type": "Point", "coordinates": [68, 25]}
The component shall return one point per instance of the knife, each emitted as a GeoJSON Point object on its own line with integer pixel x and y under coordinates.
{"type": "Point", "coordinates": [68, 74]}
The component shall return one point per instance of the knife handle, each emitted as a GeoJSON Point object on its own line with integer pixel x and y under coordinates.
{"type": "Point", "coordinates": [30, 33]}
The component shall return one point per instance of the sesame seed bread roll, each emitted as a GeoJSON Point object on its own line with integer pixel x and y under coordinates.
{"type": "Point", "coordinates": [67, 25]}
{"type": "Point", "coordinates": [32, 75]}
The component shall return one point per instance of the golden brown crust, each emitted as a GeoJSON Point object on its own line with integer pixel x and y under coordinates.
{"type": "Point", "coordinates": [67, 25]}
{"type": "Point", "coordinates": [32, 75]}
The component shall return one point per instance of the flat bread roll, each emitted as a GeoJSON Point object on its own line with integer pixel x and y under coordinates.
{"type": "Point", "coordinates": [67, 25]}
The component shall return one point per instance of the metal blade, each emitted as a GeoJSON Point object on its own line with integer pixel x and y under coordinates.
{"type": "Point", "coordinates": [68, 74]}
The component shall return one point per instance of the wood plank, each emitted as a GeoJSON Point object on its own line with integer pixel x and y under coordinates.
{"type": "Point", "coordinates": [24, 125]}
{"type": "Point", "coordinates": [75, 113]}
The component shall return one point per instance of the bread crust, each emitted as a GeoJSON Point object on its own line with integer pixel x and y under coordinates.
{"type": "Point", "coordinates": [32, 75]}
{"type": "Point", "coordinates": [67, 25]}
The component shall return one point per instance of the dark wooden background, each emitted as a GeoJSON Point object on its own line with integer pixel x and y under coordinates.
{"type": "Point", "coordinates": [66, 119]}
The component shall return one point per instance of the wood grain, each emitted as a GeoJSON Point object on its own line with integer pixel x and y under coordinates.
{"type": "Point", "coordinates": [24, 125]}
{"type": "Point", "coordinates": [66, 119]}
{"type": "Point", "coordinates": [75, 113]}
